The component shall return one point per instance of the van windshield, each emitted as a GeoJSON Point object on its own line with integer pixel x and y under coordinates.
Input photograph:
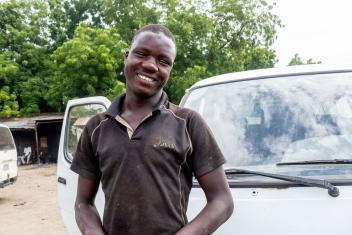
{"type": "Point", "coordinates": [6, 142]}
{"type": "Point", "coordinates": [261, 123]}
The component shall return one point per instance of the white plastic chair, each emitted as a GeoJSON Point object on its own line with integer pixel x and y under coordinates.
{"type": "Point", "coordinates": [27, 155]}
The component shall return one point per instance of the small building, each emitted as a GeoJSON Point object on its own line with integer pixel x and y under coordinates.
{"type": "Point", "coordinates": [40, 133]}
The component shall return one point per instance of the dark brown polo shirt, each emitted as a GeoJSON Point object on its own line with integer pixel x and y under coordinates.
{"type": "Point", "coordinates": [146, 178]}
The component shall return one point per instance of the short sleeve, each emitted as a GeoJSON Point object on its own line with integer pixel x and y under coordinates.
{"type": "Point", "coordinates": [206, 154]}
{"type": "Point", "coordinates": [85, 163]}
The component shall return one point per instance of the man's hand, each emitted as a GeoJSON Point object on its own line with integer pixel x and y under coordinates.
{"type": "Point", "coordinates": [87, 216]}
{"type": "Point", "coordinates": [219, 205]}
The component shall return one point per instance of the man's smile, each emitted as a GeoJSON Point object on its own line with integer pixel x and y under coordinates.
{"type": "Point", "coordinates": [145, 78]}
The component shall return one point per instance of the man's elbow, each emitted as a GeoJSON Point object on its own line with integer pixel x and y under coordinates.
{"type": "Point", "coordinates": [229, 207]}
{"type": "Point", "coordinates": [77, 206]}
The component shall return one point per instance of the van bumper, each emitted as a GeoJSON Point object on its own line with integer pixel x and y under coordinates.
{"type": "Point", "coordinates": [8, 182]}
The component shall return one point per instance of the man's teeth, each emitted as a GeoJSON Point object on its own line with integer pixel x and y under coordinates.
{"type": "Point", "coordinates": [145, 78]}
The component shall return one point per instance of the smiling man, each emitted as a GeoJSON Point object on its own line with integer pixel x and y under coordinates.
{"type": "Point", "coordinates": [145, 150]}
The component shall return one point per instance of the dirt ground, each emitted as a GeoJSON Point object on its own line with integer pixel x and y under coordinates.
{"type": "Point", "coordinates": [30, 206]}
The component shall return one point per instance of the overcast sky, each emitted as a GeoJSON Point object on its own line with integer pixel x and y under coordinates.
{"type": "Point", "coordinates": [317, 29]}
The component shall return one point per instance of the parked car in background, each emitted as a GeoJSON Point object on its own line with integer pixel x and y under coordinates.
{"type": "Point", "coordinates": [287, 136]}
{"type": "Point", "coordinates": [8, 157]}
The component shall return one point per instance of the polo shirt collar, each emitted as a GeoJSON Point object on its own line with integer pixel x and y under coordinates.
{"type": "Point", "coordinates": [116, 105]}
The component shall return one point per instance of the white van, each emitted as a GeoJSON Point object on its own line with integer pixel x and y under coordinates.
{"type": "Point", "coordinates": [8, 157]}
{"type": "Point", "coordinates": [287, 137]}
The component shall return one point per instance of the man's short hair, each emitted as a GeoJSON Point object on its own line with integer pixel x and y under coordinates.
{"type": "Point", "coordinates": [155, 28]}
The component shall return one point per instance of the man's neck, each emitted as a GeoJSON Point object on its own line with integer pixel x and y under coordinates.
{"type": "Point", "coordinates": [136, 108]}
{"type": "Point", "coordinates": [134, 103]}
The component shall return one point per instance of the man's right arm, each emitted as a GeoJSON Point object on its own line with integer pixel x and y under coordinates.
{"type": "Point", "coordinates": [87, 216]}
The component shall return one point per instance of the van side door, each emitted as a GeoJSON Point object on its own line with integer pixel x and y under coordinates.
{"type": "Point", "coordinates": [76, 116]}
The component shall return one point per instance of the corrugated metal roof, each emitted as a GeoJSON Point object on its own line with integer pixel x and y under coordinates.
{"type": "Point", "coordinates": [29, 122]}
{"type": "Point", "coordinates": [82, 121]}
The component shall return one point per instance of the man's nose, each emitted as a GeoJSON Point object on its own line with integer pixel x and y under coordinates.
{"type": "Point", "coordinates": [150, 64]}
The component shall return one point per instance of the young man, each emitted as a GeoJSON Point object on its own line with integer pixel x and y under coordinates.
{"type": "Point", "coordinates": [144, 150]}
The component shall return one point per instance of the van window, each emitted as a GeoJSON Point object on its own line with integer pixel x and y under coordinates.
{"type": "Point", "coordinates": [6, 141]}
{"type": "Point", "coordinates": [77, 120]}
{"type": "Point", "coordinates": [260, 123]}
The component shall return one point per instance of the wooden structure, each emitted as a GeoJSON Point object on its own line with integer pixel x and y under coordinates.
{"type": "Point", "coordinates": [41, 133]}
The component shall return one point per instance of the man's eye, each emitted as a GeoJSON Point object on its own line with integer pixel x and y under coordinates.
{"type": "Point", "coordinates": [141, 54]}
{"type": "Point", "coordinates": [164, 62]}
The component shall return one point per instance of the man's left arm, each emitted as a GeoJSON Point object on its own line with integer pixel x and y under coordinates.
{"type": "Point", "coordinates": [219, 205]}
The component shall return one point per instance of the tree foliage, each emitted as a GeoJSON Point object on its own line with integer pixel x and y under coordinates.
{"type": "Point", "coordinates": [296, 60]}
{"type": "Point", "coordinates": [87, 65]}
{"type": "Point", "coordinates": [24, 41]}
{"type": "Point", "coordinates": [63, 49]}
{"type": "Point", "coordinates": [226, 36]}
{"type": "Point", "coordinates": [8, 102]}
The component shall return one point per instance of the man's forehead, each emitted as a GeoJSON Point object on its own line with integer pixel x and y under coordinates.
{"type": "Point", "coordinates": [147, 37]}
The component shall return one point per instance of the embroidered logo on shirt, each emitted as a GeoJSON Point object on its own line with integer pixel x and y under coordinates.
{"type": "Point", "coordinates": [162, 144]}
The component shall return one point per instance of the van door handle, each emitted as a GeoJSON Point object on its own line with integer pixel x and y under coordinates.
{"type": "Point", "coordinates": [61, 180]}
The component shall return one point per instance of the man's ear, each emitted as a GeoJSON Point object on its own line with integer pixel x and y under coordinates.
{"type": "Point", "coordinates": [126, 55]}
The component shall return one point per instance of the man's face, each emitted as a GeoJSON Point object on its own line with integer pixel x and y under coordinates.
{"type": "Point", "coordinates": [149, 63]}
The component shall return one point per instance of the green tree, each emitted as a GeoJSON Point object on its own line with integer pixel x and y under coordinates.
{"type": "Point", "coordinates": [86, 65]}
{"type": "Point", "coordinates": [311, 61]}
{"type": "Point", "coordinates": [30, 30]}
{"type": "Point", "coordinates": [24, 40]}
{"type": "Point", "coordinates": [128, 16]}
{"type": "Point", "coordinates": [64, 16]}
{"type": "Point", "coordinates": [57, 61]}
{"type": "Point", "coordinates": [227, 36]}
{"type": "Point", "coordinates": [8, 70]}
{"type": "Point", "coordinates": [179, 83]}
{"type": "Point", "coordinates": [296, 60]}
{"type": "Point", "coordinates": [8, 103]}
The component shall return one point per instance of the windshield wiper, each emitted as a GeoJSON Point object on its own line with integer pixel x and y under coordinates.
{"type": "Point", "coordinates": [332, 190]}
{"type": "Point", "coordinates": [313, 162]}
